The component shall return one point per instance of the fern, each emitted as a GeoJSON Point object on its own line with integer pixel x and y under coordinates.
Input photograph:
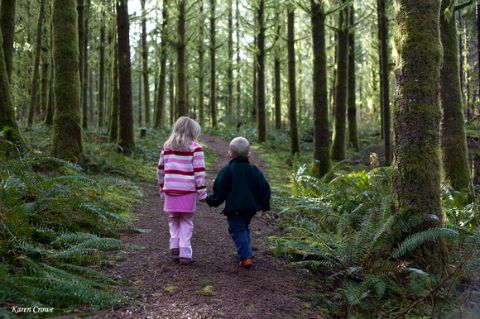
{"type": "Point", "coordinates": [414, 241]}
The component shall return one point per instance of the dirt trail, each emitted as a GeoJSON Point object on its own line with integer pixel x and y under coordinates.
{"type": "Point", "coordinates": [269, 290]}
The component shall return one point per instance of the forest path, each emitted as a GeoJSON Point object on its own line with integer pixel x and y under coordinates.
{"type": "Point", "coordinates": [164, 289]}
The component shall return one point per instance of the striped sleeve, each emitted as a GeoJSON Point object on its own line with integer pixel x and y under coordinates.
{"type": "Point", "coordinates": [161, 170]}
{"type": "Point", "coordinates": [198, 162]}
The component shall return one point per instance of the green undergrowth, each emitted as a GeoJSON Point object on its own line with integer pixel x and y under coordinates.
{"type": "Point", "coordinates": [342, 228]}
{"type": "Point", "coordinates": [58, 221]}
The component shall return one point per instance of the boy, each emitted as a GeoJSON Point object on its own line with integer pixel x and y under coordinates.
{"type": "Point", "coordinates": [246, 191]}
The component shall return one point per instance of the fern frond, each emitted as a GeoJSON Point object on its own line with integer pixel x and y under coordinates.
{"type": "Point", "coordinates": [414, 241]}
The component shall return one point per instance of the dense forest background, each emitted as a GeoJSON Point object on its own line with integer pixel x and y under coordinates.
{"type": "Point", "coordinates": [367, 113]}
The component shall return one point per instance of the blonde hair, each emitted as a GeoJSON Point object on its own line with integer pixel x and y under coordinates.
{"type": "Point", "coordinates": [240, 146]}
{"type": "Point", "coordinates": [184, 131]}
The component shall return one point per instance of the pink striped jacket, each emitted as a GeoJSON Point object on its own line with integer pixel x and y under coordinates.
{"type": "Point", "coordinates": [181, 173]}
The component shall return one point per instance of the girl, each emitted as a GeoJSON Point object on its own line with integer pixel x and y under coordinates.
{"type": "Point", "coordinates": [181, 177]}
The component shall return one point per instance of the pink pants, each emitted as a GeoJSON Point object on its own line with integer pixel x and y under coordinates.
{"type": "Point", "coordinates": [181, 229]}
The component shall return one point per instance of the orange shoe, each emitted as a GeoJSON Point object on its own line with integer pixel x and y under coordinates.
{"type": "Point", "coordinates": [246, 263]}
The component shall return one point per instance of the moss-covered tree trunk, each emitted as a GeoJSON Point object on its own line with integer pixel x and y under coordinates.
{"type": "Point", "coordinates": [277, 72]}
{"type": "Point", "coordinates": [163, 68]}
{"type": "Point", "coordinates": [67, 131]}
{"type": "Point", "coordinates": [339, 135]}
{"type": "Point", "coordinates": [384, 79]}
{"type": "Point", "coordinates": [146, 86]}
{"type": "Point", "coordinates": [171, 93]}
{"type": "Point", "coordinates": [261, 116]}
{"type": "Point", "coordinates": [352, 101]}
{"type": "Point", "coordinates": [416, 175]}
{"type": "Point", "coordinates": [7, 25]}
{"type": "Point", "coordinates": [213, 66]}
{"type": "Point", "coordinates": [292, 88]}
{"type": "Point", "coordinates": [201, 65]}
{"type": "Point", "coordinates": [453, 139]}
{"type": "Point", "coordinates": [125, 114]}
{"type": "Point", "coordinates": [34, 102]}
{"type": "Point", "coordinates": [321, 132]}
{"type": "Point", "coordinates": [50, 106]}
{"type": "Point", "coordinates": [81, 42]}
{"type": "Point", "coordinates": [101, 69]}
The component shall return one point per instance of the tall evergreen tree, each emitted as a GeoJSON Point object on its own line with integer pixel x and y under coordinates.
{"type": "Point", "coordinates": [101, 67]}
{"type": "Point", "coordinates": [146, 86]}
{"type": "Point", "coordinates": [260, 64]}
{"type": "Point", "coordinates": [201, 66]}
{"type": "Point", "coordinates": [292, 89]}
{"type": "Point", "coordinates": [125, 130]}
{"type": "Point", "coordinates": [352, 101]}
{"type": "Point", "coordinates": [181, 108]}
{"type": "Point", "coordinates": [7, 25]}
{"type": "Point", "coordinates": [321, 132]}
{"type": "Point", "coordinates": [230, 62]}
{"type": "Point", "coordinates": [453, 140]}
{"type": "Point", "coordinates": [417, 114]}
{"type": "Point", "coordinates": [277, 71]}
{"type": "Point", "coordinates": [163, 68]}
{"type": "Point", "coordinates": [67, 132]}
{"type": "Point", "coordinates": [339, 134]}
{"type": "Point", "coordinates": [213, 66]}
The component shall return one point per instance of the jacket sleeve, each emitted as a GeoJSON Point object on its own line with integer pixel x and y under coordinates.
{"type": "Point", "coordinates": [199, 170]}
{"type": "Point", "coordinates": [221, 188]}
{"type": "Point", "coordinates": [266, 192]}
{"type": "Point", "coordinates": [161, 172]}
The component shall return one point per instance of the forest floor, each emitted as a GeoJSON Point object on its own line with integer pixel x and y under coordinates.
{"type": "Point", "coordinates": [214, 286]}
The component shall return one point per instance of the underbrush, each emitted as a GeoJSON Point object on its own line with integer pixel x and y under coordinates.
{"type": "Point", "coordinates": [58, 220]}
{"type": "Point", "coordinates": [342, 228]}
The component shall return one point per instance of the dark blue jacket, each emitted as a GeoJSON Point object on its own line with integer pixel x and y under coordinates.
{"type": "Point", "coordinates": [243, 187]}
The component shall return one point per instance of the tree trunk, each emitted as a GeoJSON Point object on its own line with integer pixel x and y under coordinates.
{"type": "Point", "coordinates": [140, 121]}
{"type": "Point", "coordinates": [230, 63]}
{"type": "Point", "coordinates": [237, 27]}
{"type": "Point", "coordinates": [213, 71]}
{"type": "Point", "coordinates": [171, 81]}
{"type": "Point", "coordinates": [85, 78]}
{"type": "Point", "coordinates": [101, 76]}
{"type": "Point", "coordinates": [253, 110]}
{"type": "Point", "coordinates": [67, 131]}
{"type": "Point", "coordinates": [50, 104]}
{"type": "Point", "coordinates": [81, 41]}
{"type": "Point", "coordinates": [44, 86]}
{"type": "Point", "coordinates": [163, 68]}
{"type": "Point", "coordinates": [146, 87]}
{"type": "Point", "coordinates": [113, 127]}
{"type": "Point", "coordinates": [292, 90]}
{"type": "Point", "coordinates": [34, 103]}
{"type": "Point", "coordinates": [416, 175]}
{"type": "Point", "coordinates": [384, 79]}
{"type": "Point", "coordinates": [7, 25]}
{"type": "Point", "coordinates": [125, 115]}
{"type": "Point", "coordinates": [261, 119]}
{"type": "Point", "coordinates": [352, 102]}
{"type": "Point", "coordinates": [453, 139]}
{"type": "Point", "coordinates": [181, 108]}
{"type": "Point", "coordinates": [478, 43]}
{"type": "Point", "coordinates": [339, 136]}
{"type": "Point", "coordinates": [277, 74]}
{"type": "Point", "coordinates": [201, 66]}
{"type": "Point", "coordinates": [321, 132]}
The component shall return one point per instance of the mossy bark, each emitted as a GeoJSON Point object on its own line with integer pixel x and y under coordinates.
{"type": "Point", "coordinates": [352, 101]}
{"type": "Point", "coordinates": [260, 103]}
{"type": "Point", "coordinates": [384, 79]}
{"type": "Point", "coordinates": [201, 65]}
{"type": "Point", "coordinates": [7, 25]}
{"type": "Point", "coordinates": [453, 139]}
{"type": "Point", "coordinates": [171, 94]}
{"type": "Point", "coordinates": [213, 66]}
{"type": "Point", "coordinates": [238, 65]}
{"type": "Point", "coordinates": [163, 68]}
{"type": "Point", "coordinates": [67, 132]}
{"type": "Point", "coordinates": [339, 135]}
{"type": "Point", "coordinates": [34, 102]}
{"type": "Point", "coordinates": [125, 114]}
{"type": "Point", "coordinates": [321, 132]}
{"type": "Point", "coordinates": [85, 79]}
{"type": "Point", "coordinates": [146, 86]}
{"type": "Point", "coordinates": [81, 41]}
{"type": "Point", "coordinates": [416, 176]}
{"type": "Point", "coordinates": [181, 108]}
{"type": "Point", "coordinates": [292, 89]}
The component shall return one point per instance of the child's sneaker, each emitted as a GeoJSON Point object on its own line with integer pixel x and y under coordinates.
{"type": "Point", "coordinates": [185, 261]}
{"type": "Point", "coordinates": [246, 263]}
{"type": "Point", "coordinates": [175, 251]}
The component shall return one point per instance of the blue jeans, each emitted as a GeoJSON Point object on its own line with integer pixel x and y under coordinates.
{"type": "Point", "coordinates": [238, 229]}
